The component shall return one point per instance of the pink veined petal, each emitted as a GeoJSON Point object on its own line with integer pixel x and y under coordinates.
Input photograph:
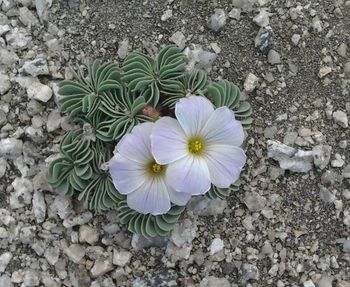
{"type": "Point", "coordinates": [168, 141]}
{"type": "Point", "coordinates": [178, 198]}
{"type": "Point", "coordinates": [189, 174]}
{"type": "Point", "coordinates": [136, 145]}
{"type": "Point", "coordinates": [223, 128]}
{"type": "Point", "coordinates": [225, 164]}
{"type": "Point", "coordinates": [127, 175]}
{"type": "Point", "coordinates": [192, 113]}
{"type": "Point", "coordinates": [151, 198]}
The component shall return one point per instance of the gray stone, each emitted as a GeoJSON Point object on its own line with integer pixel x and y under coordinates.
{"type": "Point", "coordinates": [326, 195]}
{"type": "Point", "coordinates": [250, 83]}
{"type": "Point", "coordinates": [22, 194]}
{"type": "Point", "coordinates": [254, 201]}
{"type": "Point", "coordinates": [31, 278]}
{"type": "Point", "coordinates": [101, 267]}
{"type": "Point", "coordinates": [167, 15]}
{"type": "Point", "coordinates": [262, 19]}
{"type": "Point", "coordinates": [34, 107]}
{"type": "Point", "coordinates": [52, 254]}
{"type": "Point", "coordinates": [8, 57]}
{"type": "Point", "coordinates": [203, 206]}
{"type": "Point", "coordinates": [3, 118]}
{"type": "Point", "coordinates": [42, 8]}
{"type": "Point", "coordinates": [322, 156]}
{"type": "Point", "coordinates": [341, 50]}
{"type": "Point", "coordinates": [75, 252]}
{"type": "Point", "coordinates": [235, 13]}
{"type": "Point", "coordinates": [88, 234]}
{"type": "Point", "coordinates": [35, 134]}
{"type": "Point", "coordinates": [249, 272]}
{"type": "Point", "coordinates": [269, 132]}
{"type": "Point", "coordinates": [290, 138]}
{"type": "Point", "coordinates": [3, 167]}
{"type": "Point", "coordinates": [7, 5]}
{"type": "Point", "coordinates": [216, 246]}
{"type": "Point", "coordinates": [330, 177]}
{"type": "Point", "coordinates": [27, 17]}
{"type": "Point", "coordinates": [212, 281]}
{"type": "Point", "coordinates": [341, 118]}
{"type": "Point", "coordinates": [217, 20]}
{"type": "Point", "coordinates": [39, 92]}
{"type": "Point", "coordinates": [273, 57]}
{"type": "Point", "coordinates": [27, 234]}
{"type": "Point", "coordinates": [346, 246]}
{"type": "Point", "coordinates": [62, 205]}
{"type": "Point", "coordinates": [199, 59]}
{"type": "Point", "coordinates": [139, 242]}
{"type": "Point", "coordinates": [347, 69]}
{"type": "Point", "coordinates": [289, 158]}
{"type": "Point", "coordinates": [39, 206]}
{"type": "Point", "coordinates": [184, 232]}
{"type": "Point", "coordinates": [36, 67]}
{"type": "Point", "coordinates": [5, 259]}
{"type": "Point", "coordinates": [308, 283]}
{"type": "Point", "coordinates": [121, 257]}
{"type": "Point", "coordinates": [18, 38]}
{"type": "Point", "coordinates": [79, 219]}
{"type": "Point", "coordinates": [123, 49]}
{"type": "Point", "coordinates": [264, 40]}
{"type": "Point", "coordinates": [53, 121]}
{"type": "Point", "coordinates": [346, 171]}
{"type": "Point", "coordinates": [325, 281]}
{"type": "Point", "coordinates": [5, 281]}
{"type": "Point", "coordinates": [179, 39]}
{"type": "Point", "coordinates": [5, 84]}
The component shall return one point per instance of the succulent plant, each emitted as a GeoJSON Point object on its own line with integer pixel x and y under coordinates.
{"type": "Point", "coordinates": [107, 102]}
{"type": "Point", "coordinates": [153, 77]}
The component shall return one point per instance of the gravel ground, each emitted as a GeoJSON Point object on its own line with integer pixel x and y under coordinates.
{"type": "Point", "coordinates": [289, 223]}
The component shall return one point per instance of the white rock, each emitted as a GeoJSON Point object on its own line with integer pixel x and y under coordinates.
{"type": "Point", "coordinates": [262, 19]}
{"type": "Point", "coordinates": [31, 278]}
{"type": "Point", "coordinates": [22, 193]}
{"type": "Point", "coordinates": [217, 20]}
{"type": "Point", "coordinates": [36, 67]}
{"type": "Point", "coordinates": [52, 254]}
{"type": "Point", "coordinates": [324, 71]}
{"type": "Point", "coordinates": [4, 29]}
{"type": "Point", "coordinates": [322, 155]}
{"type": "Point", "coordinates": [6, 5]}
{"type": "Point", "coordinates": [27, 17]}
{"type": "Point", "coordinates": [5, 281]}
{"type": "Point", "coordinates": [179, 39]}
{"type": "Point", "coordinates": [216, 246]}
{"type": "Point", "coordinates": [199, 59]}
{"type": "Point", "coordinates": [7, 57]}
{"type": "Point", "coordinates": [3, 167]}
{"type": "Point", "coordinates": [184, 232]}
{"type": "Point", "coordinates": [123, 49]}
{"type": "Point", "coordinates": [211, 281]}
{"type": "Point", "coordinates": [18, 38]}
{"type": "Point", "coordinates": [53, 121]}
{"type": "Point", "coordinates": [250, 83]}
{"type": "Point", "coordinates": [215, 47]}
{"type": "Point", "coordinates": [295, 39]}
{"type": "Point", "coordinates": [62, 205]}
{"type": "Point", "coordinates": [42, 7]}
{"type": "Point", "coordinates": [203, 206]}
{"type": "Point", "coordinates": [308, 283]}
{"type": "Point", "coordinates": [5, 259]}
{"type": "Point", "coordinates": [39, 206]}
{"type": "Point", "coordinates": [254, 201]}
{"type": "Point", "coordinates": [39, 92]}
{"type": "Point", "coordinates": [273, 57]}
{"type": "Point", "coordinates": [317, 24]}
{"type": "Point", "coordinates": [5, 84]}
{"type": "Point", "coordinates": [235, 13]}
{"type": "Point", "coordinates": [121, 257]}
{"type": "Point", "coordinates": [341, 118]}
{"type": "Point", "coordinates": [75, 252]}
{"type": "Point", "coordinates": [290, 158]}
{"type": "Point", "coordinates": [79, 219]}
{"type": "Point", "coordinates": [88, 234]}
{"type": "Point", "coordinates": [101, 267]}
{"type": "Point", "coordinates": [167, 15]}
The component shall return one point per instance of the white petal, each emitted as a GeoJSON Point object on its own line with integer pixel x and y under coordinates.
{"type": "Point", "coordinates": [192, 113]}
{"type": "Point", "coordinates": [137, 144]}
{"type": "Point", "coordinates": [223, 128]}
{"type": "Point", "coordinates": [189, 174]}
{"type": "Point", "coordinates": [168, 141]}
{"type": "Point", "coordinates": [127, 175]}
{"type": "Point", "coordinates": [178, 198]}
{"type": "Point", "coordinates": [152, 198]}
{"type": "Point", "coordinates": [225, 164]}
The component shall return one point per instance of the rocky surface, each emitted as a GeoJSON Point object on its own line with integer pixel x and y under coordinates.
{"type": "Point", "coordinates": [289, 223]}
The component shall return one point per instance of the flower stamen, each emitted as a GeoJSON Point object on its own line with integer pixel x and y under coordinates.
{"type": "Point", "coordinates": [195, 146]}
{"type": "Point", "coordinates": [156, 169]}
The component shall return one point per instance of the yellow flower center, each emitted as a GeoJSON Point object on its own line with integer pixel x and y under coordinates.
{"type": "Point", "coordinates": [155, 169]}
{"type": "Point", "coordinates": [195, 145]}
